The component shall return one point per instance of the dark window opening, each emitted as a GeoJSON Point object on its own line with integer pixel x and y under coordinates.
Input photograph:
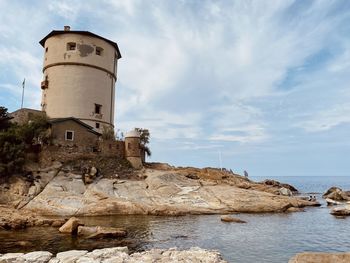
{"type": "Point", "coordinates": [129, 145]}
{"type": "Point", "coordinates": [98, 108]}
{"type": "Point", "coordinates": [69, 135]}
{"type": "Point", "coordinates": [97, 125]}
{"type": "Point", "coordinates": [46, 49]}
{"type": "Point", "coordinates": [99, 51]}
{"type": "Point", "coordinates": [71, 46]}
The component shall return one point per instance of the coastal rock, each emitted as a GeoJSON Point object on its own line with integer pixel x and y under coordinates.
{"type": "Point", "coordinates": [341, 211]}
{"type": "Point", "coordinates": [162, 192]}
{"type": "Point", "coordinates": [285, 191]}
{"type": "Point", "coordinates": [71, 225]}
{"type": "Point", "coordinates": [295, 209]}
{"type": "Point", "coordinates": [332, 202]}
{"type": "Point", "coordinates": [95, 232]}
{"type": "Point", "coordinates": [278, 184]}
{"type": "Point", "coordinates": [37, 257]}
{"type": "Point", "coordinates": [230, 219]}
{"type": "Point", "coordinates": [310, 257]}
{"type": "Point", "coordinates": [337, 194]}
{"type": "Point", "coordinates": [120, 254]}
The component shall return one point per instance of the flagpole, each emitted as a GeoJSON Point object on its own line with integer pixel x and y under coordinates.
{"type": "Point", "coordinates": [23, 84]}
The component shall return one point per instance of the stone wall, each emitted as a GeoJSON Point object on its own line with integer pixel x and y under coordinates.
{"type": "Point", "coordinates": [82, 138]}
{"type": "Point", "coordinates": [112, 148]}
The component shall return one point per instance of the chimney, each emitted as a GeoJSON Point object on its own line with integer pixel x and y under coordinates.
{"type": "Point", "coordinates": [66, 28]}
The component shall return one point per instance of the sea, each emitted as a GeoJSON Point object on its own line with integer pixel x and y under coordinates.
{"type": "Point", "coordinates": [271, 237]}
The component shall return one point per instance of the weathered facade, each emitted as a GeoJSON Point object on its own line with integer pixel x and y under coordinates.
{"type": "Point", "coordinates": [133, 149]}
{"type": "Point", "coordinates": [79, 75]}
{"type": "Point", "coordinates": [73, 132]}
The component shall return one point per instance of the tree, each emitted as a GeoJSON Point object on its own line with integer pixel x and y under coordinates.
{"type": "Point", "coordinates": [4, 119]}
{"type": "Point", "coordinates": [144, 140]}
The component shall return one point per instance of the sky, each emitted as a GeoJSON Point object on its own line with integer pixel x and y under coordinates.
{"type": "Point", "coordinates": [262, 86]}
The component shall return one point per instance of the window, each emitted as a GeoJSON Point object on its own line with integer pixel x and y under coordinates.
{"type": "Point", "coordinates": [69, 136]}
{"type": "Point", "coordinates": [97, 125]}
{"type": "Point", "coordinates": [71, 46]}
{"type": "Point", "coordinates": [99, 51]}
{"type": "Point", "coordinates": [98, 108]}
{"type": "Point", "coordinates": [46, 49]}
{"type": "Point", "coordinates": [129, 145]}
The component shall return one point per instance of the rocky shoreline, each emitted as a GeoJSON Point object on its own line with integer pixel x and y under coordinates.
{"type": "Point", "coordinates": [117, 254]}
{"type": "Point", "coordinates": [156, 190]}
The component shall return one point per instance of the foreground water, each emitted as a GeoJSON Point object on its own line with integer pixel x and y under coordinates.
{"type": "Point", "coordinates": [265, 238]}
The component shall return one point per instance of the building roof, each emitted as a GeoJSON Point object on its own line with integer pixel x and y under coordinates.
{"type": "Point", "coordinates": [86, 33]}
{"type": "Point", "coordinates": [132, 134]}
{"type": "Point", "coordinates": [27, 109]}
{"type": "Point", "coordinates": [88, 127]}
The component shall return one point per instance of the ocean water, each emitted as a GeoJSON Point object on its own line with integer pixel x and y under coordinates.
{"type": "Point", "coordinates": [265, 238]}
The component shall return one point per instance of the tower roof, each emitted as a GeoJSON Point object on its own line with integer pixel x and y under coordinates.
{"type": "Point", "coordinates": [86, 33]}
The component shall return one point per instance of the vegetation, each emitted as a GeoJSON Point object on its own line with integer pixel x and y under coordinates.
{"type": "Point", "coordinates": [144, 138]}
{"type": "Point", "coordinates": [16, 139]}
{"type": "Point", "coordinates": [107, 133]}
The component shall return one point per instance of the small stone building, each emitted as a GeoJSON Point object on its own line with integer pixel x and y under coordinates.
{"type": "Point", "coordinates": [73, 132]}
{"type": "Point", "coordinates": [133, 149]}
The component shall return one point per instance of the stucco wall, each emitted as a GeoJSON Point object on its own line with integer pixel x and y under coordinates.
{"type": "Point", "coordinates": [78, 79]}
{"type": "Point", "coordinates": [132, 147]}
{"type": "Point", "coordinates": [82, 137]}
{"type": "Point", "coordinates": [112, 148]}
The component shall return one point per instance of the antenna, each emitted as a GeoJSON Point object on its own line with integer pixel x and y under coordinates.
{"type": "Point", "coordinates": [23, 84]}
{"type": "Point", "coordinates": [220, 160]}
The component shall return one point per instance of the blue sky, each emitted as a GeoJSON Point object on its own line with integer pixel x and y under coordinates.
{"type": "Point", "coordinates": [264, 83]}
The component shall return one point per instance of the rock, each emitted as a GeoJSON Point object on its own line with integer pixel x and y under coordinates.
{"type": "Point", "coordinates": [230, 219]}
{"type": "Point", "coordinates": [120, 254]}
{"type": "Point", "coordinates": [341, 211]}
{"type": "Point", "coordinates": [93, 171]}
{"type": "Point", "coordinates": [318, 257]}
{"type": "Point", "coordinates": [70, 256]}
{"type": "Point", "coordinates": [332, 202]}
{"type": "Point", "coordinates": [58, 223]}
{"type": "Point", "coordinates": [285, 191]}
{"type": "Point", "coordinates": [95, 232]}
{"type": "Point", "coordinates": [12, 258]}
{"type": "Point", "coordinates": [278, 184]}
{"type": "Point", "coordinates": [337, 194]}
{"type": "Point", "coordinates": [37, 257]}
{"type": "Point", "coordinates": [71, 225]}
{"type": "Point", "coordinates": [295, 209]}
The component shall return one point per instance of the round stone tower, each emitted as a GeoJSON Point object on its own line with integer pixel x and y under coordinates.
{"type": "Point", "coordinates": [132, 149]}
{"type": "Point", "coordinates": [80, 71]}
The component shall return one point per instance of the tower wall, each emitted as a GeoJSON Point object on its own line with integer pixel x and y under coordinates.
{"type": "Point", "coordinates": [79, 78]}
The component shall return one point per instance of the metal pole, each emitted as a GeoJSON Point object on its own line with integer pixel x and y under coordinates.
{"type": "Point", "coordinates": [23, 84]}
{"type": "Point", "coordinates": [220, 160]}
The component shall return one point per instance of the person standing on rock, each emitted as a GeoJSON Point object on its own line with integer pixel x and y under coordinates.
{"type": "Point", "coordinates": [245, 173]}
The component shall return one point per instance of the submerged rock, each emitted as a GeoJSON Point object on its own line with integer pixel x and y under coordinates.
{"type": "Point", "coordinates": [71, 225]}
{"type": "Point", "coordinates": [318, 257]}
{"type": "Point", "coordinates": [95, 232]}
{"type": "Point", "coordinates": [230, 219]}
{"type": "Point", "coordinates": [119, 254]}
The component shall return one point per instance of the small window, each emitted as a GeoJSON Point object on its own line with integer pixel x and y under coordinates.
{"type": "Point", "coordinates": [97, 125]}
{"type": "Point", "coordinates": [129, 145]}
{"type": "Point", "coordinates": [46, 49]}
{"type": "Point", "coordinates": [71, 46]}
{"type": "Point", "coordinates": [69, 136]}
{"type": "Point", "coordinates": [98, 108]}
{"type": "Point", "coordinates": [99, 51]}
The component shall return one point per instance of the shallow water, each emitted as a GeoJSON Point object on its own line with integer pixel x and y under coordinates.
{"type": "Point", "coordinates": [265, 238]}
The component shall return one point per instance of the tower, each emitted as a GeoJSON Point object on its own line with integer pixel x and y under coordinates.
{"type": "Point", "coordinates": [79, 75]}
{"type": "Point", "coordinates": [132, 149]}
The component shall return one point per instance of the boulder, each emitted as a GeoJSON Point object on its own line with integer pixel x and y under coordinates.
{"type": "Point", "coordinates": [230, 219]}
{"type": "Point", "coordinates": [95, 232]}
{"type": "Point", "coordinates": [37, 257]}
{"type": "Point", "coordinates": [309, 257]}
{"type": "Point", "coordinates": [285, 191]}
{"type": "Point", "coordinates": [335, 193]}
{"type": "Point", "coordinates": [71, 255]}
{"type": "Point", "coordinates": [58, 223]}
{"type": "Point", "coordinates": [332, 202]}
{"type": "Point", "coordinates": [295, 209]}
{"type": "Point", "coordinates": [71, 225]}
{"type": "Point", "coordinates": [341, 211]}
{"type": "Point", "coordinates": [12, 257]}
